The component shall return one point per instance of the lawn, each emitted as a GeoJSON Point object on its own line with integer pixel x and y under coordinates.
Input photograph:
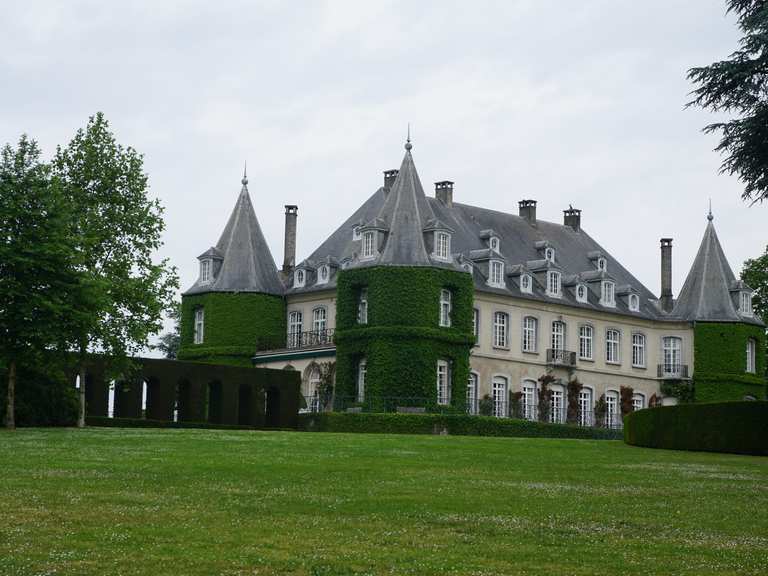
{"type": "Point", "coordinates": [206, 502]}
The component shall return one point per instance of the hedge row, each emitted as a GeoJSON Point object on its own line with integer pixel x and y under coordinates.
{"type": "Point", "coordinates": [738, 427]}
{"type": "Point", "coordinates": [145, 423]}
{"type": "Point", "coordinates": [454, 424]}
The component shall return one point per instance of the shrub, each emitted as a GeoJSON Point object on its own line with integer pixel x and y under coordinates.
{"type": "Point", "coordinates": [145, 423]}
{"type": "Point", "coordinates": [738, 427]}
{"type": "Point", "coordinates": [41, 400]}
{"type": "Point", "coordinates": [456, 424]}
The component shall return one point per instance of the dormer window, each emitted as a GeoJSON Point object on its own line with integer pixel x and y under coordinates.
{"type": "Point", "coordinates": [299, 278]}
{"type": "Point", "coordinates": [356, 233]}
{"type": "Point", "coordinates": [608, 293]}
{"type": "Point", "coordinates": [602, 264]}
{"type": "Point", "coordinates": [205, 271]}
{"type": "Point", "coordinates": [581, 294]}
{"type": "Point", "coordinates": [442, 245]}
{"type": "Point", "coordinates": [322, 275]}
{"type": "Point", "coordinates": [553, 284]}
{"type": "Point", "coordinates": [549, 254]}
{"type": "Point", "coordinates": [369, 244]}
{"type": "Point", "coordinates": [634, 302]}
{"type": "Point", "coordinates": [526, 284]}
{"type": "Point", "coordinates": [494, 243]}
{"type": "Point", "coordinates": [745, 306]}
{"type": "Point", "coordinates": [496, 276]}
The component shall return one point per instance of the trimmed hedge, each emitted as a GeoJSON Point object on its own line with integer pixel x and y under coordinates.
{"type": "Point", "coordinates": [454, 424]}
{"type": "Point", "coordinates": [105, 422]}
{"type": "Point", "coordinates": [737, 427]}
{"type": "Point", "coordinates": [41, 399]}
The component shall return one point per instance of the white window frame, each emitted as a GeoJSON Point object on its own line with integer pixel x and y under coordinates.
{"type": "Point", "coordinates": [634, 303]}
{"type": "Point", "coordinates": [530, 340]}
{"type": "Point", "coordinates": [299, 278]}
{"type": "Point", "coordinates": [602, 264]}
{"type": "Point", "coordinates": [586, 342]}
{"type": "Point", "coordinates": [496, 274]}
{"type": "Point", "coordinates": [319, 320]}
{"type": "Point", "coordinates": [362, 306]}
{"type": "Point", "coordinates": [494, 243]}
{"type": "Point", "coordinates": [199, 330]}
{"type": "Point", "coordinates": [639, 350]}
{"type": "Point", "coordinates": [583, 298]}
{"type": "Point", "coordinates": [611, 408]}
{"type": "Point", "coordinates": [442, 242]}
{"type": "Point", "coordinates": [554, 284]}
{"type": "Point", "coordinates": [445, 308]}
{"type": "Point", "coordinates": [323, 274]}
{"type": "Point", "coordinates": [549, 254]}
{"type": "Point", "coordinates": [557, 335]}
{"type": "Point", "coordinates": [586, 406]}
{"type": "Point", "coordinates": [612, 346]}
{"type": "Point", "coordinates": [472, 384]}
{"type": "Point", "coordinates": [751, 366]}
{"type": "Point", "coordinates": [369, 244]}
{"type": "Point", "coordinates": [362, 371]}
{"type": "Point", "coordinates": [206, 271]}
{"type": "Point", "coordinates": [500, 395]}
{"type": "Point", "coordinates": [443, 383]}
{"type": "Point", "coordinates": [476, 324]}
{"type": "Point", "coordinates": [608, 293]}
{"type": "Point", "coordinates": [295, 328]}
{"type": "Point", "coordinates": [638, 401]}
{"type": "Point", "coordinates": [314, 394]}
{"type": "Point", "coordinates": [672, 355]}
{"type": "Point", "coordinates": [526, 284]}
{"type": "Point", "coordinates": [529, 399]}
{"type": "Point", "coordinates": [745, 304]}
{"type": "Point", "coordinates": [500, 329]}
{"type": "Point", "coordinates": [557, 404]}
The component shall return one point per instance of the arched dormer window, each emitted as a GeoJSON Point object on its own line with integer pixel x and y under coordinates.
{"type": "Point", "coordinates": [549, 254]}
{"type": "Point", "coordinates": [494, 243]}
{"type": "Point", "coordinates": [496, 274]}
{"type": "Point", "coordinates": [322, 275]}
{"type": "Point", "coordinates": [526, 284]}
{"type": "Point", "coordinates": [745, 303]}
{"type": "Point", "coordinates": [582, 294]}
{"type": "Point", "coordinates": [299, 278]}
{"type": "Point", "coordinates": [554, 285]}
{"type": "Point", "coordinates": [602, 264]}
{"type": "Point", "coordinates": [442, 245]}
{"type": "Point", "coordinates": [608, 293]}
{"type": "Point", "coordinates": [634, 302]}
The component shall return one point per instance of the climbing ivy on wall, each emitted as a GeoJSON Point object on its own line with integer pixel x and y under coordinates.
{"type": "Point", "coordinates": [233, 323]}
{"type": "Point", "coordinates": [721, 358]}
{"type": "Point", "coordinates": [402, 340]}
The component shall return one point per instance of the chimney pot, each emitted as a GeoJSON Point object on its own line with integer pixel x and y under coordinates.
{"type": "Point", "coordinates": [444, 192]}
{"type": "Point", "coordinates": [289, 247]}
{"type": "Point", "coordinates": [666, 275]}
{"type": "Point", "coordinates": [572, 218]}
{"type": "Point", "coordinates": [528, 210]}
{"type": "Point", "coordinates": [389, 178]}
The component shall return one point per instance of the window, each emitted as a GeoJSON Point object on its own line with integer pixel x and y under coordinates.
{"type": "Point", "coordinates": [443, 383]}
{"type": "Point", "coordinates": [472, 393]}
{"type": "Point", "coordinates": [586, 339]}
{"type": "Point", "coordinates": [496, 277]}
{"type": "Point", "coordinates": [634, 302]}
{"type": "Point", "coordinates": [362, 369]}
{"type": "Point", "coordinates": [205, 271]}
{"type": "Point", "coordinates": [638, 350]}
{"type": "Point", "coordinates": [499, 396]}
{"type": "Point", "coordinates": [362, 306]}
{"type": "Point", "coordinates": [746, 304]}
{"type": "Point", "coordinates": [319, 325]}
{"type": "Point", "coordinates": [608, 293]}
{"type": "Point", "coordinates": [526, 284]}
{"type": "Point", "coordinates": [612, 342]}
{"type": "Point", "coordinates": [445, 308]}
{"type": "Point", "coordinates": [314, 390]}
{"type": "Point", "coordinates": [529, 400]}
{"type": "Point", "coordinates": [549, 254]}
{"type": "Point", "coordinates": [500, 330]}
{"type": "Point", "coordinates": [369, 244]}
{"type": "Point", "coordinates": [558, 335]}
{"type": "Point", "coordinates": [553, 283]}
{"type": "Point", "coordinates": [602, 264]}
{"type": "Point", "coordinates": [476, 324]}
{"type": "Point", "coordinates": [556, 405]}
{"type": "Point", "coordinates": [298, 279]}
{"type": "Point", "coordinates": [638, 401]}
{"type": "Point", "coordinates": [751, 355]}
{"type": "Point", "coordinates": [612, 409]}
{"type": "Point", "coordinates": [322, 275]}
{"type": "Point", "coordinates": [442, 245]}
{"type": "Point", "coordinates": [530, 334]}
{"type": "Point", "coordinates": [199, 325]}
{"type": "Point", "coordinates": [494, 244]}
{"type": "Point", "coordinates": [581, 293]}
{"type": "Point", "coordinates": [672, 348]}
{"type": "Point", "coordinates": [356, 233]}
{"type": "Point", "coordinates": [585, 407]}
{"type": "Point", "coordinates": [295, 319]}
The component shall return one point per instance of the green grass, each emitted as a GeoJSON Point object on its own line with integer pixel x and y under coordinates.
{"type": "Point", "coordinates": [205, 502]}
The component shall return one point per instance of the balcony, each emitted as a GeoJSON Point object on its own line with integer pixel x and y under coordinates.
{"type": "Point", "coordinates": [672, 371]}
{"type": "Point", "coordinates": [564, 358]}
{"type": "Point", "coordinates": [298, 341]}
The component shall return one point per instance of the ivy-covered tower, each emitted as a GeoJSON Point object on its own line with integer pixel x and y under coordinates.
{"type": "Point", "coordinates": [729, 339]}
{"type": "Point", "coordinates": [404, 306]}
{"type": "Point", "coordinates": [238, 296]}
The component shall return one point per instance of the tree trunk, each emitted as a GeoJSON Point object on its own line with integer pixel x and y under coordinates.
{"type": "Point", "coordinates": [81, 412]}
{"type": "Point", "coordinates": [10, 412]}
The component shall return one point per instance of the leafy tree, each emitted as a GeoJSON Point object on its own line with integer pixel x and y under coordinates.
{"type": "Point", "coordinates": [38, 268]}
{"type": "Point", "coordinates": [118, 228]}
{"type": "Point", "coordinates": [740, 85]}
{"type": "Point", "coordinates": [170, 342]}
{"type": "Point", "coordinates": [755, 275]}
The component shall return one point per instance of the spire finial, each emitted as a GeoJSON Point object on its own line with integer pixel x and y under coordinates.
{"type": "Point", "coordinates": [245, 174]}
{"type": "Point", "coordinates": [709, 215]}
{"type": "Point", "coordinates": [408, 144]}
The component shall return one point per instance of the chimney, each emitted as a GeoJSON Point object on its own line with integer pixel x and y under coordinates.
{"type": "Point", "coordinates": [389, 178]}
{"type": "Point", "coordinates": [444, 192]}
{"type": "Point", "coordinates": [572, 218]}
{"type": "Point", "coordinates": [666, 274]}
{"type": "Point", "coordinates": [528, 210]}
{"type": "Point", "coordinates": [289, 247]}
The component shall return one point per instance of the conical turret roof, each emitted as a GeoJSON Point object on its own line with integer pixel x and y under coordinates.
{"type": "Point", "coordinates": [247, 264]}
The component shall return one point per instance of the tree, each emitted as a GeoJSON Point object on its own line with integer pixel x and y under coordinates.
{"type": "Point", "coordinates": [118, 229]}
{"type": "Point", "coordinates": [740, 85]}
{"type": "Point", "coordinates": [38, 268]}
{"type": "Point", "coordinates": [755, 275]}
{"type": "Point", "coordinates": [170, 342]}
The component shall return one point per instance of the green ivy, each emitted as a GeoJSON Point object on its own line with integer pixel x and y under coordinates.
{"type": "Point", "coordinates": [721, 358]}
{"type": "Point", "coordinates": [402, 340]}
{"type": "Point", "coordinates": [233, 323]}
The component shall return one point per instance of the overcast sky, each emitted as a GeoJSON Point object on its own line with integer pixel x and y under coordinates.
{"type": "Point", "coordinates": [560, 101]}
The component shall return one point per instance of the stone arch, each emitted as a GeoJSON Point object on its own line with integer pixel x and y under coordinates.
{"type": "Point", "coordinates": [214, 402]}
{"type": "Point", "coordinates": [272, 407]}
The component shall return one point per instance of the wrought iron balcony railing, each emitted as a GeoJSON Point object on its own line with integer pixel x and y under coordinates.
{"type": "Point", "coordinates": [557, 357]}
{"type": "Point", "coordinates": [672, 371]}
{"type": "Point", "coordinates": [297, 341]}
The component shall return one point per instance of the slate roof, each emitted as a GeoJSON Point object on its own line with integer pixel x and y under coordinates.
{"type": "Point", "coordinates": [706, 294]}
{"type": "Point", "coordinates": [247, 264]}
